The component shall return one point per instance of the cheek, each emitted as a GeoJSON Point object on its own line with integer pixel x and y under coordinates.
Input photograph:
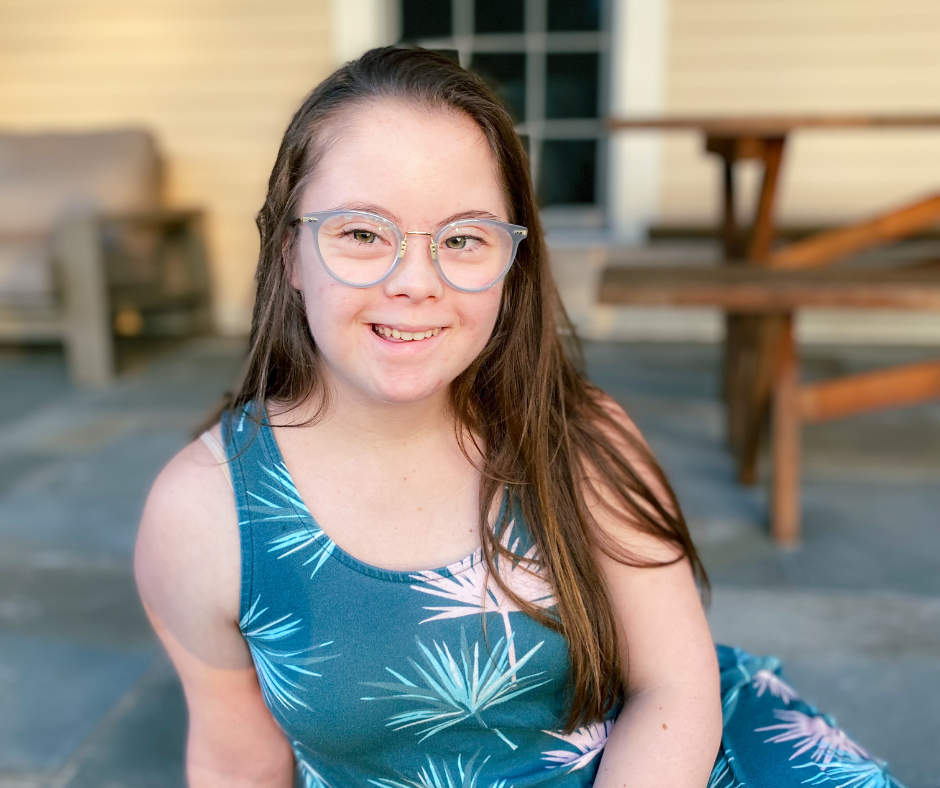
{"type": "Point", "coordinates": [489, 315]}
{"type": "Point", "coordinates": [481, 318]}
{"type": "Point", "coordinates": [330, 308]}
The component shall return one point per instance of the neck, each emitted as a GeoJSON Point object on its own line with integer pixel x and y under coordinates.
{"type": "Point", "coordinates": [354, 423]}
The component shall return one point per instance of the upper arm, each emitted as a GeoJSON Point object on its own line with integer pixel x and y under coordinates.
{"type": "Point", "coordinates": [187, 567]}
{"type": "Point", "coordinates": [664, 634]}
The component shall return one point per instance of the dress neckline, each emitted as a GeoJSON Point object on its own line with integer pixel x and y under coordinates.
{"type": "Point", "coordinates": [273, 452]}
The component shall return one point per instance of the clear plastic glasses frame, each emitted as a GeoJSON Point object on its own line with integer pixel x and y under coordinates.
{"type": "Point", "coordinates": [315, 221]}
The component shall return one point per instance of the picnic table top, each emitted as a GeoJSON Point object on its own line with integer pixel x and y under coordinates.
{"type": "Point", "coordinates": [742, 288]}
{"type": "Point", "coordinates": [771, 125]}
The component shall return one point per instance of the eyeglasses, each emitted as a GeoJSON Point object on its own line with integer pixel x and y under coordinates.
{"type": "Point", "coordinates": [361, 249]}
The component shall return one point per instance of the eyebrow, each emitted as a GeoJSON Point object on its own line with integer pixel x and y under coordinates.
{"type": "Point", "coordinates": [378, 209]}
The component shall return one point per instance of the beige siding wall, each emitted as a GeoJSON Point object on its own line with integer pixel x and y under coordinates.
{"type": "Point", "coordinates": [216, 80]}
{"type": "Point", "coordinates": [825, 56]}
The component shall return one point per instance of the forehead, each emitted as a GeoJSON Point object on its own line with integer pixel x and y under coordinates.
{"type": "Point", "coordinates": [421, 164]}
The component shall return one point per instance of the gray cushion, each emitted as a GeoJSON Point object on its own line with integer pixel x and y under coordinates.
{"type": "Point", "coordinates": [45, 177]}
{"type": "Point", "coordinates": [26, 275]}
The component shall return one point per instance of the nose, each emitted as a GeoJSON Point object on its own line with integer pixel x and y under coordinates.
{"type": "Point", "coordinates": [415, 275]}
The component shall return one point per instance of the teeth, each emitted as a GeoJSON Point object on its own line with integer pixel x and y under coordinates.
{"type": "Point", "coordinates": [407, 335]}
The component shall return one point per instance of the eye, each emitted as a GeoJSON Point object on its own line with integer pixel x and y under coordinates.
{"type": "Point", "coordinates": [362, 236]}
{"type": "Point", "coordinates": [457, 242]}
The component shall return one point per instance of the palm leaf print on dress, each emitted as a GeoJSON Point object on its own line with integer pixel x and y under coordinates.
{"type": "Point", "coordinates": [285, 503]}
{"type": "Point", "coordinates": [722, 775]}
{"type": "Point", "coordinates": [814, 733]}
{"type": "Point", "coordinates": [767, 681]}
{"type": "Point", "coordinates": [309, 777]}
{"type": "Point", "coordinates": [587, 741]}
{"type": "Point", "coordinates": [441, 776]}
{"type": "Point", "coordinates": [848, 770]}
{"type": "Point", "coordinates": [455, 692]}
{"type": "Point", "coordinates": [759, 673]}
{"type": "Point", "coordinates": [472, 590]}
{"type": "Point", "coordinates": [272, 665]}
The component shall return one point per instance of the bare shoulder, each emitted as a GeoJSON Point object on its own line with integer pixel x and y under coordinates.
{"type": "Point", "coordinates": [605, 504]}
{"type": "Point", "coordinates": [188, 568]}
{"type": "Point", "coordinates": [662, 625]}
{"type": "Point", "coordinates": [187, 557]}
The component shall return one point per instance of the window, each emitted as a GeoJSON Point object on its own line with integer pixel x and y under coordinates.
{"type": "Point", "coordinates": [546, 60]}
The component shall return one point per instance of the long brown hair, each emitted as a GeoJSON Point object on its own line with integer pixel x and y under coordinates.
{"type": "Point", "coordinates": [538, 423]}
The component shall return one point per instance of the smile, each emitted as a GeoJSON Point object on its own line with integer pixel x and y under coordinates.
{"type": "Point", "coordinates": [389, 332]}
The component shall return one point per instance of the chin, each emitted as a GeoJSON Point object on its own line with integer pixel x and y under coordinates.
{"type": "Point", "coordinates": [405, 391]}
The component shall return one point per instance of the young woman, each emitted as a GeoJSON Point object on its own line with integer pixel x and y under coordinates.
{"type": "Point", "coordinates": [448, 559]}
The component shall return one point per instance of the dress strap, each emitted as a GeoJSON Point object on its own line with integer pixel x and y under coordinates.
{"type": "Point", "coordinates": [245, 458]}
{"type": "Point", "coordinates": [218, 451]}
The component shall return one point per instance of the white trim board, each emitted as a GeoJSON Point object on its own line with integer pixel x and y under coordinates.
{"type": "Point", "coordinates": [639, 33]}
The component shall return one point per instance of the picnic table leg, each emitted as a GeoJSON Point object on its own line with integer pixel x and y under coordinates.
{"type": "Point", "coordinates": [736, 328]}
{"type": "Point", "coordinates": [732, 241]}
{"type": "Point", "coordinates": [762, 231]}
{"type": "Point", "coordinates": [786, 439]}
{"type": "Point", "coordinates": [751, 350]}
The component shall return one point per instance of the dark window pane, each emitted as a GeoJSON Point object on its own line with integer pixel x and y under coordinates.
{"type": "Point", "coordinates": [498, 16]}
{"type": "Point", "coordinates": [574, 15]}
{"type": "Point", "coordinates": [567, 172]}
{"type": "Point", "coordinates": [505, 73]}
{"type": "Point", "coordinates": [425, 19]}
{"type": "Point", "coordinates": [571, 86]}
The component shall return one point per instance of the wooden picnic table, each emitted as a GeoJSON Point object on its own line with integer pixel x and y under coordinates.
{"type": "Point", "coordinates": [761, 137]}
{"type": "Point", "coordinates": [756, 339]}
{"type": "Point", "coordinates": [775, 296]}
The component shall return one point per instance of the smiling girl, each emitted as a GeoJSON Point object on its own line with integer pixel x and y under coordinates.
{"type": "Point", "coordinates": [449, 560]}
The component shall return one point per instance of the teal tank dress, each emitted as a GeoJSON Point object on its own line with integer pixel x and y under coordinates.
{"type": "Point", "coordinates": [387, 678]}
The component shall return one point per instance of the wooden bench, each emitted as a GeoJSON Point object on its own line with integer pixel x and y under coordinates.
{"type": "Point", "coordinates": [773, 296]}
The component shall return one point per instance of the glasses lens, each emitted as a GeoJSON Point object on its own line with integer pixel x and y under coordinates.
{"type": "Point", "coordinates": [357, 249]}
{"type": "Point", "coordinates": [474, 255]}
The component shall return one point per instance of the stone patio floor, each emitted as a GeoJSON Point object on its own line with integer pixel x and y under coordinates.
{"type": "Point", "coordinates": [87, 699]}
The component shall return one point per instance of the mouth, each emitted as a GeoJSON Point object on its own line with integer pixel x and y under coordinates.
{"type": "Point", "coordinates": [393, 334]}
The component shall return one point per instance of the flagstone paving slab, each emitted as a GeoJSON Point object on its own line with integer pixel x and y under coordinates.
{"type": "Point", "coordinates": [53, 693]}
{"type": "Point", "coordinates": [141, 743]}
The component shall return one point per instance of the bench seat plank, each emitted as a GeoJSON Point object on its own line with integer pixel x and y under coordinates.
{"type": "Point", "coordinates": [756, 290]}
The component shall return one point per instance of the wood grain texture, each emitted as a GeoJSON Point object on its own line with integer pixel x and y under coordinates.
{"type": "Point", "coordinates": [761, 291]}
{"type": "Point", "coordinates": [833, 245]}
{"type": "Point", "coordinates": [785, 440]}
{"type": "Point", "coordinates": [850, 395]}
{"type": "Point", "coordinates": [734, 125]}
